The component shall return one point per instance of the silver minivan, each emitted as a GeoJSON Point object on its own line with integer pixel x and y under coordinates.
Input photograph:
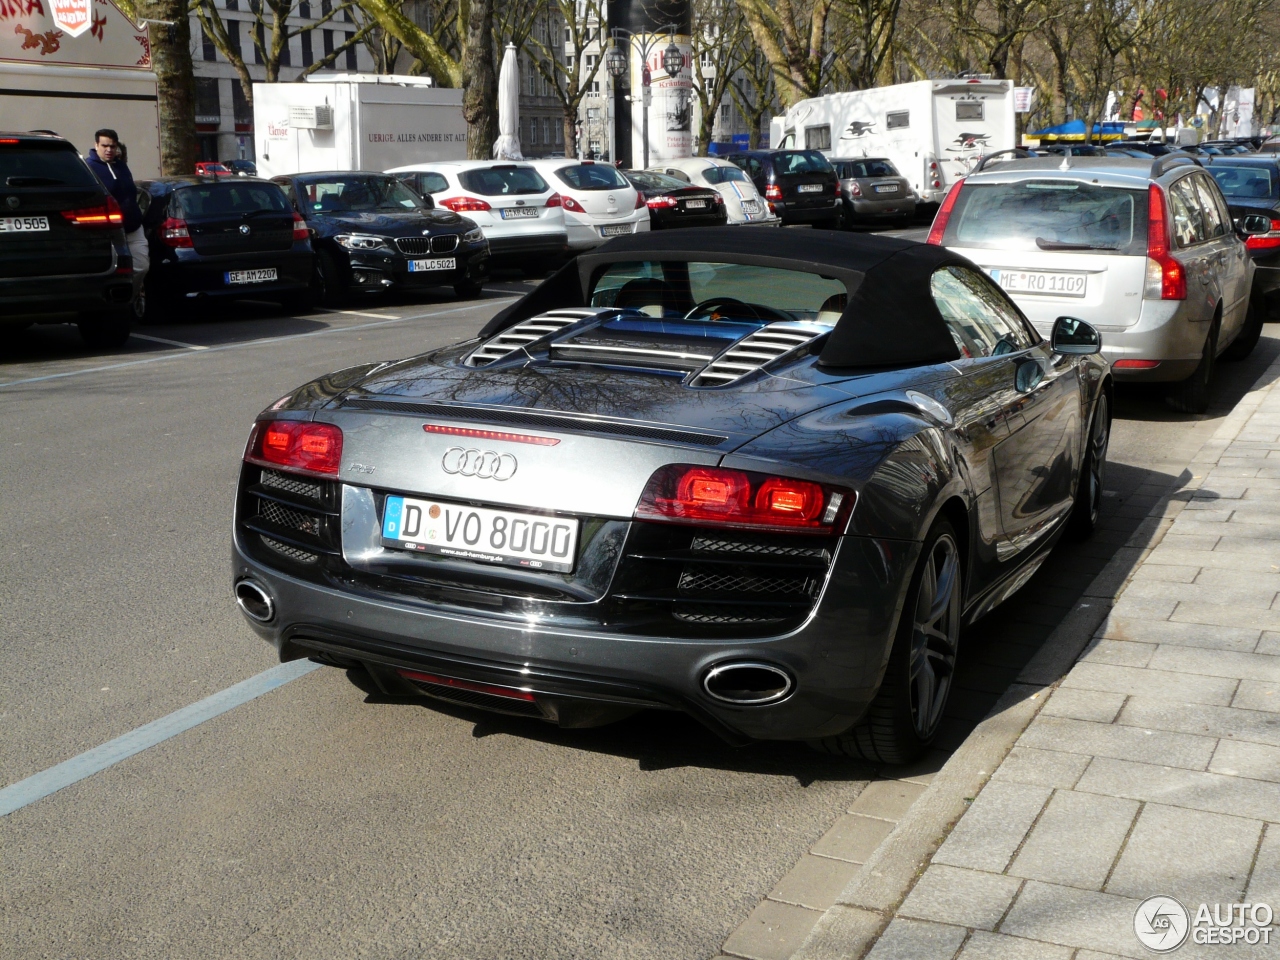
{"type": "Point", "coordinates": [1144, 250]}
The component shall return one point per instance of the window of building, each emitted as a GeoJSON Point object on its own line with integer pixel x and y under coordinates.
{"type": "Point", "coordinates": [818, 138]}
{"type": "Point", "coordinates": [233, 4]}
{"type": "Point", "coordinates": [546, 129]}
{"type": "Point", "coordinates": [233, 36]}
{"type": "Point", "coordinates": [207, 50]}
{"type": "Point", "coordinates": [351, 50]}
{"type": "Point", "coordinates": [595, 88]}
{"type": "Point", "coordinates": [307, 58]}
{"type": "Point", "coordinates": [593, 113]}
{"type": "Point", "coordinates": [346, 16]}
{"type": "Point", "coordinates": [208, 104]}
{"type": "Point", "coordinates": [240, 106]}
{"type": "Point", "coordinates": [286, 54]}
{"type": "Point", "coordinates": [260, 42]}
{"type": "Point", "coordinates": [533, 83]}
{"type": "Point", "coordinates": [726, 114]}
{"type": "Point", "coordinates": [304, 10]}
{"type": "Point", "coordinates": [328, 41]}
{"type": "Point", "coordinates": [968, 109]}
{"type": "Point", "coordinates": [326, 7]}
{"type": "Point", "coordinates": [533, 130]}
{"type": "Point", "coordinates": [559, 128]}
{"type": "Point", "coordinates": [897, 119]}
{"type": "Point", "coordinates": [592, 60]}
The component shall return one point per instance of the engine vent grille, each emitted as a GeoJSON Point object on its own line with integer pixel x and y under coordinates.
{"type": "Point", "coordinates": [756, 351]}
{"type": "Point", "coordinates": [294, 518]}
{"type": "Point", "coordinates": [524, 333]}
{"type": "Point", "coordinates": [697, 581]}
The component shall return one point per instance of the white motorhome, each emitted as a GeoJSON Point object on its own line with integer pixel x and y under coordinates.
{"type": "Point", "coordinates": [355, 122]}
{"type": "Point", "coordinates": [932, 130]}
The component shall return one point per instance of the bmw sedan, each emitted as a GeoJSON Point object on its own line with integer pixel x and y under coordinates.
{"type": "Point", "coordinates": [373, 234]}
{"type": "Point", "coordinates": [688, 472]}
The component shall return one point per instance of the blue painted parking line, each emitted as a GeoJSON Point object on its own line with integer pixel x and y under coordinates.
{"type": "Point", "coordinates": [42, 784]}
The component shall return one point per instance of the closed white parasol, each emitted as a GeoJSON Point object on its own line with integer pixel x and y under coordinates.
{"type": "Point", "coordinates": [507, 146]}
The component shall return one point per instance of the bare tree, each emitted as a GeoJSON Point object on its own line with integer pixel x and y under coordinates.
{"type": "Point", "coordinates": [721, 45]}
{"type": "Point", "coordinates": [563, 59]}
{"type": "Point", "coordinates": [792, 37]}
{"type": "Point", "coordinates": [754, 93]}
{"type": "Point", "coordinates": [176, 85]}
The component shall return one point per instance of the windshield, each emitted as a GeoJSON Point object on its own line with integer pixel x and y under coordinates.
{"type": "Point", "coordinates": [503, 181]}
{"type": "Point", "coordinates": [680, 290]}
{"type": "Point", "coordinates": [1066, 215]}
{"type": "Point", "coordinates": [593, 176]}
{"type": "Point", "coordinates": [655, 182]}
{"type": "Point", "coordinates": [715, 175]}
{"type": "Point", "coordinates": [230, 199]}
{"type": "Point", "coordinates": [800, 161]}
{"type": "Point", "coordinates": [857, 169]}
{"type": "Point", "coordinates": [40, 165]}
{"type": "Point", "coordinates": [1244, 183]}
{"type": "Point", "coordinates": [359, 194]}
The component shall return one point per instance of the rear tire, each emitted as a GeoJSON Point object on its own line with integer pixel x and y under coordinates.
{"type": "Point", "coordinates": [327, 281]}
{"type": "Point", "coordinates": [1093, 472]}
{"type": "Point", "coordinates": [1249, 334]}
{"type": "Point", "coordinates": [906, 714]}
{"type": "Point", "coordinates": [106, 331]}
{"type": "Point", "coordinates": [1192, 394]}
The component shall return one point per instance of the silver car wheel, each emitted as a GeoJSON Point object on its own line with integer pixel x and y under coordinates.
{"type": "Point", "coordinates": [934, 636]}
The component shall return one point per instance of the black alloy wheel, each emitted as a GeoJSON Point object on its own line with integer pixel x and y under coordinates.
{"type": "Point", "coordinates": [905, 716]}
{"type": "Point", "coordinates": [1093, 472]}
{"type": "Point", "coordinates": [1192, 394]}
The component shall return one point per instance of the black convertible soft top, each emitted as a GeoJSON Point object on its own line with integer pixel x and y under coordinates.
{"type": "Point", "coordinates": [890, 319]}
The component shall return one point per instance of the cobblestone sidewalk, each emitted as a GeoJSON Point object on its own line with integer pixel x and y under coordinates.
{"type": "Point", "coordinates": [1154, 766]}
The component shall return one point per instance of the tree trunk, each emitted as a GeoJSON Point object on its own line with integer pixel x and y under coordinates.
{"type": "Point", "coordinates": [480, 82]}
{"type": "Point", "coordinates": [571, 130]}
{"type": "Point", "coordinates": [176, 85]}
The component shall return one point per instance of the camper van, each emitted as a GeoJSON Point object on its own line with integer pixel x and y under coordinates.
{"type": "Point", "coordinates": [934, 131]}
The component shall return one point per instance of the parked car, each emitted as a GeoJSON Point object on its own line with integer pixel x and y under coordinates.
{"type": "Point", "coordinates": [800, 186]}
{"type": "Point", "coordinates": [1251, 184]}
{"type": "Point", "coordinates": [1073, 149]}
{"type": "Point", "coordinates": [872, 191]}
{"type": "Point", "coordinates": [692, 472]}
{"type": "Point", "coordinates": [211, 168]}
{"type": "Point", "coordinates": [742, 201]}
{"type": "Point", "coordinates": [520, 214]}
{"type": "Point", "coordinates": [1152, 148]}
{"type": "Point", "coordinates": [63, 255]}
{"type": "Point", "coordinates": [219, 238]}
{"type": "Point", "coordinates": [241, 168]}
{"type": "Point", "coordinates": [373, 234]}
{"type": "Point", "coordinates": [598, 201]}
{"type": "Point", "coordinates": [1229, 147]}
{"type": "Point", "coordinates": [1143, 250]}
{"type": "Point", "coordinates": [676, 203]}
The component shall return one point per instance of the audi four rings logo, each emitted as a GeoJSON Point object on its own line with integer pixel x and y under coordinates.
{"type": "Point", "coordinates": [485, 464]}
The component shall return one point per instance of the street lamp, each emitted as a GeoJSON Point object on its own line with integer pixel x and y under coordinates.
{"type": "Point", "coordinates": [617, 62]}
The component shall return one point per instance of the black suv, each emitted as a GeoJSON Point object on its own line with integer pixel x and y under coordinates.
{"type": "Point", "coordinates": [800, 186]}
{"type": "Point", "coordinates": [1251, 184]}
{"type": "Point", "coordinates": [63, 254]}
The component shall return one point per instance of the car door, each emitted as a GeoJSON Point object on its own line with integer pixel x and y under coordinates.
{"type": "Point", "coordinates": [1191, 235]}
{"type": "Point", "coordinates": [1229, 256]}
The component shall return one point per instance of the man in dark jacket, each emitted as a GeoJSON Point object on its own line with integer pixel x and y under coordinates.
{"type": "Point", "coordinates": [106, 161]}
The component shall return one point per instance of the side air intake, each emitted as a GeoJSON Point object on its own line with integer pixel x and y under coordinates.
{"type": "Point", "coordinates": [524, 333]}
{"type": "Point", "coordinates": [759, 349]}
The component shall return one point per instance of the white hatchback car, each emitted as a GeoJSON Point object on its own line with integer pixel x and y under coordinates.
{"type": "Point", "coordinates": [1144, 250]}
{"type": "Point", "coordinates": [599, 202]}
{"type": "Point", "coordinates": [520, 213]}
{"type": "Point", "coordinates": [742, 201]}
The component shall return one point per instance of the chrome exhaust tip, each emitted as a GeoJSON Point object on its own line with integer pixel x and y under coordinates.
{"type": "Point", "coordinates": [747, 684]}
{"type": "Point", "coordinates": [253, 599]}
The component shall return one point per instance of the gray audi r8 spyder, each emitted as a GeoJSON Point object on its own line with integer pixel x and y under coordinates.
{"type": "Point", "coordinates": [695, 472]}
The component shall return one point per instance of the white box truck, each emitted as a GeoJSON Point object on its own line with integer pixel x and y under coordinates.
{"type": "Point", "coordinates": [933, 130]}
{"type": "Point", "coordinates": [355, 122]}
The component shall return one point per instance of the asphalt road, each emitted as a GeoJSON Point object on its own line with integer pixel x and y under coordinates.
{"type": "Point", "coordinates": [318, 821]}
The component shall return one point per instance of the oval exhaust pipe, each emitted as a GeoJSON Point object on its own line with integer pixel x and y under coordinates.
{"type": "Point", "coordinates": [747, 684]}
{"type": "Point", "coordinates": [253, 599]}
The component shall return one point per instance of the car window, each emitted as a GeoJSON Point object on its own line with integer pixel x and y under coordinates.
{"type": "Point", "coordinates": [717, 174]}
{"type": "Point", "coordinates": [968, 304]}
{"type": "Point", "coordinates": [227, 199]}
{"type": "Point", "coordinates": [656, 182]}
{"type": "Point", "coordinates": [800, 161]}
{"type": "Point", "coordinates": [592, 176]}
{"type": "Point", "coordinates": [503, 181]}
{"type": "Point", "coordinates": [46, 165]}
{"type": "Point", "coordinates": [1188, 220]}
{"type": "Point", "coordinates": [358, 193]}
{"type": "Point", "coordinates": [678, 174]}
{"type": "Point", "coordinates": [1245, 183]}
{"type": "Point", "coordinates": [1214, 221]}
{"type": "Point", "coordinates": [1050, 214]}
{"type": "Point", "coordinates": [431, 182]}
{"type": "Point", "coordinates": [874, 168]}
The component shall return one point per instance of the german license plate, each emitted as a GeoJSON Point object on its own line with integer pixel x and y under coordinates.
{"type": "Point", "coordinates": [515, 213]}
{"type": "Point", "coordinates": [505, 537]}
{"type": "Point", "coordinates": [809, 188]}
{"type": "Point", "coordinates": [23, 224]}
{"type": "Point", "coordinates": [885, 188]}
{"type": "Point", "coordinates": [695, 204]}
{"type": "Point", "coordinates": [616, 230]}
{"type": "Point", "coordinates": [750, 208]}
{"type": "Point", "coordinates": [1043, 282]}
{"type": "Point", "coordinates": [251, 276]}
{"type": "Point", "coordinates": [438, 263]}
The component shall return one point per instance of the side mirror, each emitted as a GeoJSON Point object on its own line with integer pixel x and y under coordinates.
{"type": "Point", "coordinates": [428, 201]}
{"type": "Point", "coordinates": [1072, 336]}
{"type": "Point", "coordinates": [1253, 224]}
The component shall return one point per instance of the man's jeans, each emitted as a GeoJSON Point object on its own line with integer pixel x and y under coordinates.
{"type": "Point", "coordinates": [137, 241]}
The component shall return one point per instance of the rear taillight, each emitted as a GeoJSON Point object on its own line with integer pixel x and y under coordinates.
{"type": "Point", "coordinates": [1166, 279]}
{"type": "Point", "coordinates": [465, 204]}
{"type": "Point", "coordinates": [555, 200]}
{"type": "Point", "coordinates": [104, 215]}
{"type": "Point", "coordinates": [300, 231]}
{"type": "Point", "coordinates": [854, 189]}
{"type": "Point", "coordinates": [772, 192]}
{"type": "Point", "coordinates": [570, 204]}
{"type": "Point", "coordinates": [660, 203]}
{"type": "Point", "coordinates": [944, 213]}
{"type": "Point", "coordinates": [1135, 364]}
{"type": "Point", "coordinates": [683, 493]}
{"type": "Point", "coordinates": [174, 233]}
{"type": "Point", "coordinates": [1265, 241]}
{"type": "Point", "coordinates": [297, 445]}
{"type": "Point", "coordinates": [640, 201]}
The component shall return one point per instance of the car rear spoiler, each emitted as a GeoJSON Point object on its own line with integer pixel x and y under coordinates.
{"type": "Point", "coordinates": [1018, 154]}
{"type": "Point", "coordinates": [1162, 164]}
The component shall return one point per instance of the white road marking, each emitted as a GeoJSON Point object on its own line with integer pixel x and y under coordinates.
{"type": "Point", "coordinates": [172, 343]}
{"type": "Point", "coordinates": [359, 313]}
{"type": "Point", "coordinates": [254, 343]}
{"type": "Point", "coordinates": [42, 784]}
